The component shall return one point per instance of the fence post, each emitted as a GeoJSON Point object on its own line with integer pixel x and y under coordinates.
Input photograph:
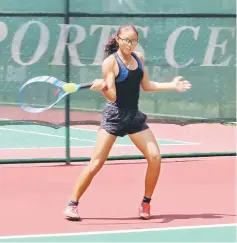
{"type": "Point", "coordinates": [67, 101]}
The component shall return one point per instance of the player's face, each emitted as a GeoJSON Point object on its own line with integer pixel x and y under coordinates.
{"type": "Point", "coordinates": [127, 41]}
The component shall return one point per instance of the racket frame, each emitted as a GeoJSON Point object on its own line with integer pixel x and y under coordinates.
{"type": "Point", "coordinates": [55, 82]}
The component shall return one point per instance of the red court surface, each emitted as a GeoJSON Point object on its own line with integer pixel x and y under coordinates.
{"type": "Point", "coordinates": [194, 191]}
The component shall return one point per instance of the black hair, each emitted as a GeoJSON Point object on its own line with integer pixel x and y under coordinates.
{"type": "Point", "coordinates": [112, 45]}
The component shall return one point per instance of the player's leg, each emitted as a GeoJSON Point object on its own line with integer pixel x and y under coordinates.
{"type": "Point", "coordinates": [103, 146]}
{"type": "Point", "coordinates": [146, 143]}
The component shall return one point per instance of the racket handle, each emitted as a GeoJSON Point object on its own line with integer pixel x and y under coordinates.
{"type": "Point", "coordinates": [85, 85]}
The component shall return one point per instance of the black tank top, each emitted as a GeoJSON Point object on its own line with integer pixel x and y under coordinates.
{"type": "Point", "coordinates": [127, 84]}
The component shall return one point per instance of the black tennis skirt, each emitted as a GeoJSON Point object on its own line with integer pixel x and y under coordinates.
{"type": "Point", "coordinates": [120, 122]}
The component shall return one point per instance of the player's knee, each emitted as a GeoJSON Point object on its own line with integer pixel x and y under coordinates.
{"type": "Point", "coordinates": [155, 160]}
{"type": "Point", "coordinates": [95, 165]}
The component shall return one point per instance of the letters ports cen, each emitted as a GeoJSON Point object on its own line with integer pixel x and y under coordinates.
{"type": "Point", "coordinates": [214, 43]}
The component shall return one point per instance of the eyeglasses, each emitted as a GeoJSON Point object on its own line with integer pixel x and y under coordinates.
{"type": "Point", "coordinates": [127, 41]}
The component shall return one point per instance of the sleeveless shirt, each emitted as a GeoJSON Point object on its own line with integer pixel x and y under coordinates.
{"type": "Point", "coordinates": [127, 84]}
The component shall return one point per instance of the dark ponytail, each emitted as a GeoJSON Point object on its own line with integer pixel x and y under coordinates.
{"type": "Point", "coordinates": [112, 46]}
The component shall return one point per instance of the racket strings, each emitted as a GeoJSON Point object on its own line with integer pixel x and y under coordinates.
{"type": "Point", "coordinates": [57, 91]}
{"type": "Point", "coordinates": [40, 94]}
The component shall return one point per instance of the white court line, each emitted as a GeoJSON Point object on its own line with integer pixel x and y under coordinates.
{"type": "Point", "coordinates": [89, 146]}
{"type": "Point", "coordinates": [45, 134]}
{"type": "Point", "coordinates": [96, 130]}
{"type": "Point", "coordinates": [118, 231]}
{"type": "Point", "coordinates": [93, 141]}
{"type": "Point", "coordinates": [84, 129]}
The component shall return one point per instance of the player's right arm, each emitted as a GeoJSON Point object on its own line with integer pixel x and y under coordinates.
{"type": "Point", "coordinates": [108, 72]}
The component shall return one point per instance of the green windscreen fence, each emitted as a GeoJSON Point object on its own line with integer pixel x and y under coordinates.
{"type": "Point", "coordinates": [66, 39]}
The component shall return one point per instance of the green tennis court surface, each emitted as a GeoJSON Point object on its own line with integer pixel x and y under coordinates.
{"type": "Point", "coordinates": [206, 233]}
{"type": "Point", "coordinates": [20, 137]}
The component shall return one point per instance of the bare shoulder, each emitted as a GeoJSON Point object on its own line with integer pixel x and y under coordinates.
{"type": "Point", "coordinates": [108, 63]}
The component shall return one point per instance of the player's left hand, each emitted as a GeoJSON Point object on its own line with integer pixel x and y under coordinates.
{"type": "Point", "coordinates": [98, 85]}
{"type": "Point", "coordinates": [180, 84]}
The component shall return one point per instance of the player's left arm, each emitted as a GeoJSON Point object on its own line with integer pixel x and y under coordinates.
{"type": "Point", "coordinates": [177, 84]}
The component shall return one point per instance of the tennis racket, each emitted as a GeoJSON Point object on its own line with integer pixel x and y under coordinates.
{"type": "Point", "coordinates": [42, 93]}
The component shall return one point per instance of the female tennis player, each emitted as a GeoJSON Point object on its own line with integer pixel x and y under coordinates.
{"type": "Point", "coordinates": [124, 72]}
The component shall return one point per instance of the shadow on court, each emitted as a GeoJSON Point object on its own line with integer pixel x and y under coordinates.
{"type": "Point", "coordinates": [165, 218]}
